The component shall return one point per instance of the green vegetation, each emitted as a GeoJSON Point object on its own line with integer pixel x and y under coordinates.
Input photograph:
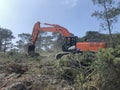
{"type": "Point", "coordinates": [6, 37]}
{"type": "Point", "coordinates": [75, 71]}
{"type": "Point", "coordinates": [82, 71]}
{"type": "Point", "coordinates": [97, 70]}
{"type": "Point", "coordinates": [108, 14]}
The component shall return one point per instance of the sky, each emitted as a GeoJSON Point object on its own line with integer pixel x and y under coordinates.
{"type": "Point", "coordinates": [20, 15]}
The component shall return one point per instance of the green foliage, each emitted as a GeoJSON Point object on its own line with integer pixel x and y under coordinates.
{"type": "Point", "coordinates": [104, 59]}
{"type": "Point", "coordinates": [76, 68]}
{"type": "Point", "coordinates": [6, 36]}
{"type": "Point", "coordinates": [48, 42]}
{"type": "Point", "coordinates": [108, 14]}
{"type": "Point", "coordinates": [105, 55]}
{"type": "Point", "coordinates": [22, 44]}
{"type": "Point", "coordinates": [107, 65]}
{"type": "Point", "coordinates": [94, 36]}
{"type": "Point", "coordinates": [116, 41]}
{"type": "Point", "coordinates": [110, 9]}
{"type": "Point", "coordinates": [81, 69]}
{"type": "Point", "coordinates": [44, 42]}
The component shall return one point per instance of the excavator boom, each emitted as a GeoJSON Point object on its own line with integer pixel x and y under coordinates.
{"type": "Point", "coordinates": [53, 28]}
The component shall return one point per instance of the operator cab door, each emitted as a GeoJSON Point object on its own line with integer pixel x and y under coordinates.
{"type": "Point", "coordinates": [69, 43]}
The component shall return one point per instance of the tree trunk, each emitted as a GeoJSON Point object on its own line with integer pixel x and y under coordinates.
{"type": "Point", "coordinates": [108, 24]}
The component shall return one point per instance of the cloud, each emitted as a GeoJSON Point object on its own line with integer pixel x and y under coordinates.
{"type": "Point", "coordinates": [70, 3]}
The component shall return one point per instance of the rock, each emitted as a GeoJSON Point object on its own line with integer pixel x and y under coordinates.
{"type": "Point", "coordinates": [3, 75]}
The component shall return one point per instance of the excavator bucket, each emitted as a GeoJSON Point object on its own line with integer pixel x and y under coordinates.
{"type": "Point", "coordinates": [31, 50]}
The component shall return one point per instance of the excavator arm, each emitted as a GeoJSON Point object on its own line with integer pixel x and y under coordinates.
{"type": "Point", "coordinates": [51, 28]}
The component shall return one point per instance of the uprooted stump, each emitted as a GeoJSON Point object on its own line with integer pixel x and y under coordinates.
{"type": "Point", "coordinates": [16, 68]}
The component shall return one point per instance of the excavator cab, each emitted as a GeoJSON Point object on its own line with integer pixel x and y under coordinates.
{"type": "Point", "coordinates": [69, 43]}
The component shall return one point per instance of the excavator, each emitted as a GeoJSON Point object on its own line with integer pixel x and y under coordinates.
{"type": "Point", "coordinates": [69, 42]}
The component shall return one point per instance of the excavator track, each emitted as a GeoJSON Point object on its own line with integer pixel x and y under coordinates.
{"type": "Point", "coordinates": [60, 54]}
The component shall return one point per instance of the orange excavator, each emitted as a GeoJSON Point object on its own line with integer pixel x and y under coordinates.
{"type": "Point", "coordinates": [69, 42]}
